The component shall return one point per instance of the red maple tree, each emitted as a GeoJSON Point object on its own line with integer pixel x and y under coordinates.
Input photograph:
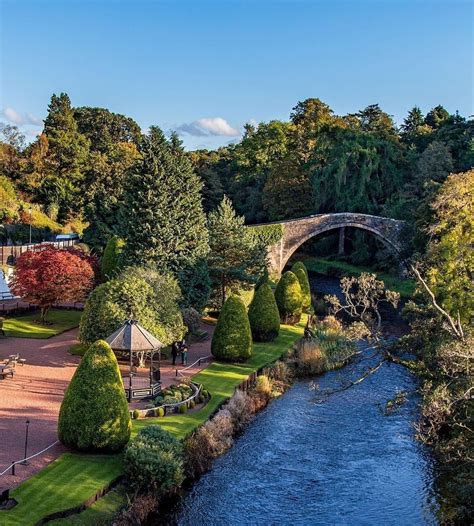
{"type": "Point", "coordinates": [49, 275]}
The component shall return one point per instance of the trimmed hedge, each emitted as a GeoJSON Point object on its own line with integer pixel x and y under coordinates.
{"type": "Point", "coordinates": [94, 414]}
{"type": "Point", "coordinates": [154, 461]}
{"type": "Point", "coordinates": [289, 298]}
{"type": "Point", "coordinates": [301, 273]}
{"type": "Point", "coordinates": [232, 339]}
{"type": "Point", "coordinates": [264, 317]}
{"type": "Point", "coordinates": [109, 264]}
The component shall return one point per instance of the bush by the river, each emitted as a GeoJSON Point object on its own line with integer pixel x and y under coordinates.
{"type": "Point", "coordinates": [263, 315]}
{"type": "Point", "coordinates": [94, 413]}
{"type": "Point", "coordinates": [301, 272]}
{"type": "Point", "coordinates": [141, 293]}
{"type": "Point", "coordinates": [289, 298]}
{"type": "Point", "coordinates": [154, 461]}
{"type": "Point", "coordinates": [232, 339]}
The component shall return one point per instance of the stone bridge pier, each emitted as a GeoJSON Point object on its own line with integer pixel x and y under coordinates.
{"type": "Point", "coordinates": [297, 231]}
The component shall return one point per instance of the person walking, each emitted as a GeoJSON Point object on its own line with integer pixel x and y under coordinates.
{"type": "Point", "coordinates": [175, 348]}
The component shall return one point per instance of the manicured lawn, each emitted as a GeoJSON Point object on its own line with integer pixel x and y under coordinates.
{"type": "Point", "coordinates": [29, 326]}
{"type": "Point", "coordinates": [72, 478]}
{"type": "Point", "coordinates": [406, 287]}
{"type": "Point", "coordinates": [66, 482]}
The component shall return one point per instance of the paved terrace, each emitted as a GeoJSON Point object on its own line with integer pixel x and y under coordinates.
{"type": "Point", "coordinates": [36, 391]}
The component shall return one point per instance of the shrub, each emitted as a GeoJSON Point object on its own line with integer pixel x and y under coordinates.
{"type": "Point", "coordinates": [232, 339]}
{"type": "Point", "coordinates": [289, 298]}
{"type": "Point", "coordinates": [263, 385]}
{"type": "Point", "coordinates": [191, 404]}
{"type": "Point", "coordinates": [239, 407]}
{"type": "Point", "coordinates": [192, 320]}
{"type": "Point", "coordinates": [301, 273]}
{"type": "Point", "coordinates": [154, 461]}
{"type": "Point", "coordinates": [94, 413]}
{"type": "Point", "coordinates": [311, 358]}
{"type": "Point", "coordinates": [279, 372]}
{"type": "Point", "coordinates": [320, 307]}
{"type": "Point", "coordinates": [136, 414]}
{"type": "Point", "coordinates": [183, 408]}
{"type": "Point", "coordinates": [109, 264]}
{"type": "Point", "coordinates": [159, 411]}
{"type": "Point", "coordinates": [264, 317]}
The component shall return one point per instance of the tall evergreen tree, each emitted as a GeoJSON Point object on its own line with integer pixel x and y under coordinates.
{"type": "Point", "coordinates": [67, 158]}
{"type": "Point", "coordinates": [162, 220]}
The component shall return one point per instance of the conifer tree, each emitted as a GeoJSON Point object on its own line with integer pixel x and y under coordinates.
{"type": "Point", "coordinates": [162, 219]}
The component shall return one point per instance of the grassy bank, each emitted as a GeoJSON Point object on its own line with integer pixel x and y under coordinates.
{"type": "Point", "coordinates": [73, 478]}
{"type": "Point", "coordinates": [405, 287]}
{"type": "Point", "coordinates": [29, 326]}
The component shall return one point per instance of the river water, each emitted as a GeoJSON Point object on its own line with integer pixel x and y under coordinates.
{"type": "Point", "coordinates": [342, 462]}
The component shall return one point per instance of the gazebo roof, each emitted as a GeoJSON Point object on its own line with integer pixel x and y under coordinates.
{"type": "Point", "coordinates": [132, 337]}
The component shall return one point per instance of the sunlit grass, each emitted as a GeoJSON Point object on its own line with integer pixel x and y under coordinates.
{"type": "Point", "coordinates": [29, 326]}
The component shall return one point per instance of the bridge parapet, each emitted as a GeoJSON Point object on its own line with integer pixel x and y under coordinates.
{"type": "Point", "coordinates": [297, 231]}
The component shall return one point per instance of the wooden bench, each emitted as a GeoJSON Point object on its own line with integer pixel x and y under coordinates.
{"type": "Point", "coordinates": [5, 371]}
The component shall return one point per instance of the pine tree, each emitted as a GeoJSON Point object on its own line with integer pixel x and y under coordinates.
{"type": "Point", "coordinates": [67, 158]}
{"type": "Point", "coordinates": [162, 220]}
{"type": "Point", "coordinates": [236, 258]}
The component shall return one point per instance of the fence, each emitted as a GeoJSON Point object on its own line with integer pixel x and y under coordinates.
{"type": "Point", "coordinates": [9, 253]}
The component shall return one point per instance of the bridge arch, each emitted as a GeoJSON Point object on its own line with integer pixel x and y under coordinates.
{"type": "Point", "coordinates": [298, 231]}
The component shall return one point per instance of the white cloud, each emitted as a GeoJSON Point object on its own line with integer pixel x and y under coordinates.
{"type": "Point", "coordinates": [216, 126]}
{"type": "Point", "coordinates": [17, 118]}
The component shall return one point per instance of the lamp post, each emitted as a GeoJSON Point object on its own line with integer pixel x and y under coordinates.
{"type": "Point", "coordinates": [31, 210]}
{"type": "Point", "coordinates": [25, 462]}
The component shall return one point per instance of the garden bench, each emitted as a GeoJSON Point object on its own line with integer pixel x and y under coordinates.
{"type": "Point", "coordinates": [6, 370]}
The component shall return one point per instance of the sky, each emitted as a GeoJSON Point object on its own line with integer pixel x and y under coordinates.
{"type": "Point", "coordinates": [205, 68]}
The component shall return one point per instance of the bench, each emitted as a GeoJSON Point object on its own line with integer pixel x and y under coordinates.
{"type": "Point", "coordinates": [5, 371]}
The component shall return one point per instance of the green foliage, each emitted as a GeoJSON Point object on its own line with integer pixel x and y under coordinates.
{"type": "Point", "coordinates": [263, 315]}
{"type": "Point", "coordinates": [154, 461]}
{"type": "Point", "coordinates": [232, 339]}
{"type": "Point", "coordinates": [136, 414]}
{"type": "Point", "coordinates": [195, 284]}
{"type": "Point", "coordinates": [109, 264]}
{"type": "Point", "coordinates": [9, 202]}
{"type": "Point", "coordinates": [236, 257]}
{"type": "Point", "coordinates": [94, 413]}
{"type": "Point", "coordinates": [267, 235]}
{"type": "Point", "coordinates": [162, 220]}
{"type": "Point", "coordinates": [302, 275]}
{"type": "Point", "coordinates": [289, 298]}
{"type": "Point", "coordinates": [141, 294]}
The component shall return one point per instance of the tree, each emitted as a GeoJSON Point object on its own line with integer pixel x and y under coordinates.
{"type": "Point", "coordinates": [301, 272]}
{"type": "Point", "coordinates": [94, 414]}
{"type": "Point", "coordinates": [236, 258]}
{"type": "Point", "coordinates": [263, 315]}
{"type": "Point", "coordinates": [162, 220]}
{"type": "Point", "coordinates": [289, 298]}
{"type": "Point", "coordinates": [373, 120]}
{"type": "Point", "coordinates": [414, 131]}
{"type": "Point", "coordinates": [68, 154]}
{"type": "Point", "coordinates": [49, 275]}
{"type": "Point", "coordinates": [232, 339]}
{"type": "Point", "coordinates": [436, 116]}
{"type": "Point", "coordinates": [130, 295]}
{"type": "Point", "coordinates": [109, 264]}
{"type": "Point", "coordinates": [450, 253]}
{"type": "Point", "coordinates": [434, 165]}
{"type": "Point", "coordinates": [195, 284]}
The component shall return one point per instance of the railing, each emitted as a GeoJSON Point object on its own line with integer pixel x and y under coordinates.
{"type": "Point", "coordinates": [9, 253]}
{"type": "Point", "coordinates": [198, 361]}
{"type": "Point", "coordinates": [13, 464]}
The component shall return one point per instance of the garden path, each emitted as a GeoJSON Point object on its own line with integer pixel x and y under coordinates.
{"type": "Point", "coordinates": [36, 392]}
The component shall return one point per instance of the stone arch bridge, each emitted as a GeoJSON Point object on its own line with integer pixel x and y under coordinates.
{"type": "Point", "coordinates": [297, 231]}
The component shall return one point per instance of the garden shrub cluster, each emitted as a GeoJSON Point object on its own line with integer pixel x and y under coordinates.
{"type": "Point", "coordinates": [263, 315]}
{"type": "Point", "coordinates": [289, 298]}
{"type": "Point", "coordinates": [94, 414]}
{"type": "Point", "coordinates": [232, 339]}
{"type": "Point", "coordinates": [154, 461]}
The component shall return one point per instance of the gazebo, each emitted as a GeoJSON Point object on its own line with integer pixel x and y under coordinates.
{"type": "Point", "coordinates": [136, 343]}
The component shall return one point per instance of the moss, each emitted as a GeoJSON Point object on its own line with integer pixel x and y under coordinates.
{"type": "Point", "coordinates": [232, 339]}
{"type": "Point", "coordinates": [263, 315]}
{"type": "Point", "coordinates": [94, 414]}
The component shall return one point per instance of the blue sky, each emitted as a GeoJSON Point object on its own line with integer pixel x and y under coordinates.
{"type": "Point", "coordinates": [207, 67]}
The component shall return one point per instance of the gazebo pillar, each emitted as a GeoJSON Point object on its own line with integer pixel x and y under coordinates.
{"type": "Point", "coordinates": [130, 378]}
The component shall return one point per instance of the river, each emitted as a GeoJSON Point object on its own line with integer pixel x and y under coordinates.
{"type": "Point", "coordinates": [342, 462]}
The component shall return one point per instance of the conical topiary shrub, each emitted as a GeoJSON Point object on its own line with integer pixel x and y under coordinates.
{"type": "Point", "coordinates": [109, 264]}
{"type": "Point", "coordinates": [264, 317]}
{"type": "Point", "coordinates": [301, 273]}
{"type": "Point", "coordinates": [232, 339]}
{"type": "Point", "coordinates": [289, 298]}
{"type": "Point", "coordinates": [94, 414]}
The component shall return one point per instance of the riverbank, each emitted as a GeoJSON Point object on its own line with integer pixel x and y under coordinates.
{"type": "Point", "coordinates": [46, 492]}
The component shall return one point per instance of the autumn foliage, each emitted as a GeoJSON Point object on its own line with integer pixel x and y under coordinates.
{"type": "Point", "coordinates": [48, 275]}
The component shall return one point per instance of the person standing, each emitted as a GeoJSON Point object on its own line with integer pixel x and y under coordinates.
{"type": "Point", "coordinates": [184, 353]}
{"type": "Point", "coordinates": [175, 351]}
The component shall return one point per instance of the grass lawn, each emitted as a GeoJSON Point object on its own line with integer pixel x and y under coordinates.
{"type": "Point", "coordinates": [71, 479]}
{"type": "Point", "coordinates": [406, 287]}
{"type": "Point", "coordinates": [66, 482]}
{"type": "Point", "coordinates": [29, 326]}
